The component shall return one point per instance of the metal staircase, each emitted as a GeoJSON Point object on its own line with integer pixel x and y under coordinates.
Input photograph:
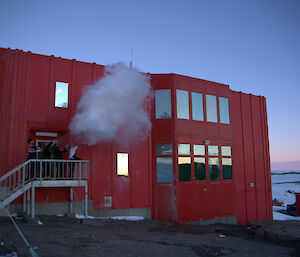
{"type": "Point", "coordinates": [42, 173]}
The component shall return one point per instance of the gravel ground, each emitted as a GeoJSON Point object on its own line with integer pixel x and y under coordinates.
{"type": "Point", "coordinates": [62, 236]}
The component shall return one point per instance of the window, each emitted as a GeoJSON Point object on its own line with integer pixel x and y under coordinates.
{"type": "Point", "coordinates": [184, 168]}
{"type": "Point", "coordinates": [226, 150]}
{"type": "Point", "coordinates": [122, 164]}
{"type": "Point", "coordinates": [199, 149]}
{"type": "Point", "coordinates": [213, 150]}
{"type": "Point", "coordinates": [184, 163]}
{"type": "Point", "coordinates": [182, 98]}
{"type": "Point", "coordinates": [214, 168]}
{"type": "Point", "coordinates": [224, 110]}
{"type": "Point", "coordinates": [197, 106]}
{"type": "Point", "coordinates": [184, 149]}
{"type": "Point", "coordinates": [164, 149]}
{"type": "Point", "coordinates": [163, 104]}
{"type": "Point", "coordinates": [199, 162]}
{"type": "Point", "coordinates": [226, 162]}
{"type": "Point", "coordinates": [164, 169]}
{"type": "Point", "coordinates": [227, 168]}
{"type": "Point", "coordinates": [211, 108]}
{"type": "Point", "coordinates": [61, 94]}
{"type": "Point", "coordinates": [200, 168]}
{"type": "Point", "coordinates": [164, 164]}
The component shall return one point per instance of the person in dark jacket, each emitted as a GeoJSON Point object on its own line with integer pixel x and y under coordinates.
{"type": "Point", "coordinates": [58, 155]}
{"type": "Point", "coordinates": [32, 154]}
{"type": "Point", "coordinates": [32, 149]}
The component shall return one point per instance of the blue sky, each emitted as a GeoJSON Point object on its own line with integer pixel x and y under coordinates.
{"type": "Point", "coordinates": [254, 46]}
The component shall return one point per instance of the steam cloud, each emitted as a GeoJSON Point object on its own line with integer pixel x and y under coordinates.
{"type": "Point", "coordinates": [114, 108]}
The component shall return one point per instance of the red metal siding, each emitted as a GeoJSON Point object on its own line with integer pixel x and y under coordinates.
{"type": "Point", "coordinates": [27, 84]}
{"type": "Point", "coordinates": [253, 201]}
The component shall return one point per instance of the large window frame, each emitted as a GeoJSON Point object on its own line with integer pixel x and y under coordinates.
{"type": "Point", "coordinates": [163, 104]}
{"type": "Point", "coordinates": [122, 164]}
{"type": "Point", "coordinates": [226, 162]}
{"type": "Point", "coordinates": [182, 104]}
{"type": "Point", "coordinates": [200, 159]}
{"type": "Point", "coordinates": [61, 99]}
{"type": "Point", "coordinates": [224, 111]}
{"type": "Point", "coordinates": [164, 155]}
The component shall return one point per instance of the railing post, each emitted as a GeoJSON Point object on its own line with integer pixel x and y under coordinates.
{"type": "Point", "coordinates": [24, 202]}
{"type": "Point", "coordinates": [28, 202]}
{"type": "Point", "coordinates": [23, 176]}
{"type": "Point", "coordinates": [32, 201]}
{"type": "Point", "coordinates": [41, 170]}
{"type": "Point", "coordinates": [80, 170]}
{"type": "Point", "coordinates": [86, 200]}
{"type": "Point", "coordinates": [71, 201]}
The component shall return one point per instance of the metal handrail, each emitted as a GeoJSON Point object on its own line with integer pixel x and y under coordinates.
{"type": "Point", "coordinates": [43, 169]}
{"type": "Point", "coordinates": [14, 170]}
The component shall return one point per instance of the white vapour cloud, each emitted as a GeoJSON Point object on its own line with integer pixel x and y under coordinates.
{"type": "Point", "coordinates": [114, 108]}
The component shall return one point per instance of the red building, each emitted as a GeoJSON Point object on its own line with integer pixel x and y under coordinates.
{"type": "Point", "coordinates": [207, 157]}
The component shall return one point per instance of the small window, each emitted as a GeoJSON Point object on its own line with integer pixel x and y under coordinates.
{"type": "Point", "coordinates": [213, 150]}
{"type": "Point", "coordinates": [182, 104]}
{"type": "Point", "coordinates": [227, 168]}
{"type": "Point", "coordinates": [184, 168]}
{"type": "Point", "coordinates": [163, 104]}
{"type": "Point", "coordinates": [199, 149]}
{"type": "Point", "coordinates": [122, 164]}
{"type": "Point", "coordinates": [226, 150]}
{"type": "Point", "coordinates": [184, 149]}
{"type": "Point", "coordinates": [200, 168]}
{"type": "Point", "coordinates": [224, 110]}
{"type": "Point", "coordinates": [211, 108]}
{"type": "Point", "coordinates": [61, 94]}
{"type": "Point", "coordinates": [197, 106]}
{"type": "Point", "coordinates": [164, 149]}
{"type": "Point", "coordinates": [214, 168]}
{"type": "Point", "coordinates": [164, 169]}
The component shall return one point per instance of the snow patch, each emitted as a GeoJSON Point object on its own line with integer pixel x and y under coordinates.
{"type": "Point", "coordinates": [281, 216]}
{"type": "Point", "coordinates": [129, 218]}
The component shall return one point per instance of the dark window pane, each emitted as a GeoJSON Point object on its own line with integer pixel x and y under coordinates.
{"type": "Point", "coordinates": [199, 150]}
{"type": "Point", "coordinates": [227, 168]}
{"type": "Point", "coordinates": [163, 104]}
{"type": "Point", "coordinates": [224, 110]}
{"type": "Point", "coordinates": [197, 106]}
{"type": "Point", "coordinates": [184, 149]}
{"type": "Point", "coordinates": [200, 169]}
{"type": "Point", "coordinates": [164, 149]}
{"type": "Point", "coordinates": [184, 168]}
{"type": "Point", "coordinates": [182, 98]}
{"type": "Point", "coordinates": [164, 169]}
{"type": "Point", "coordinates": [214, 168]}
{"type": "Point", "coordinates": [211, 108]}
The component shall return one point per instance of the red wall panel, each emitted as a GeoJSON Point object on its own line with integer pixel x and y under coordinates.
{"type": "Point", "coordinates": [39, 86]}
{"type": "Point", "coordinates": [141, 175]}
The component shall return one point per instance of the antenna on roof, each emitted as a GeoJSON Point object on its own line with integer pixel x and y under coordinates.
{"type": "Point", "coordinates": [130, 65]}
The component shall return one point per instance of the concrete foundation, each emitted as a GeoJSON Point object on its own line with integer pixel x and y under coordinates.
{"type": "Point", "coordinates": [63, 208]}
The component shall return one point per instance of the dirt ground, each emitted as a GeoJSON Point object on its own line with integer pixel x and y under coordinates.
{"type": "Point", "coordinates": [62, 236]}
